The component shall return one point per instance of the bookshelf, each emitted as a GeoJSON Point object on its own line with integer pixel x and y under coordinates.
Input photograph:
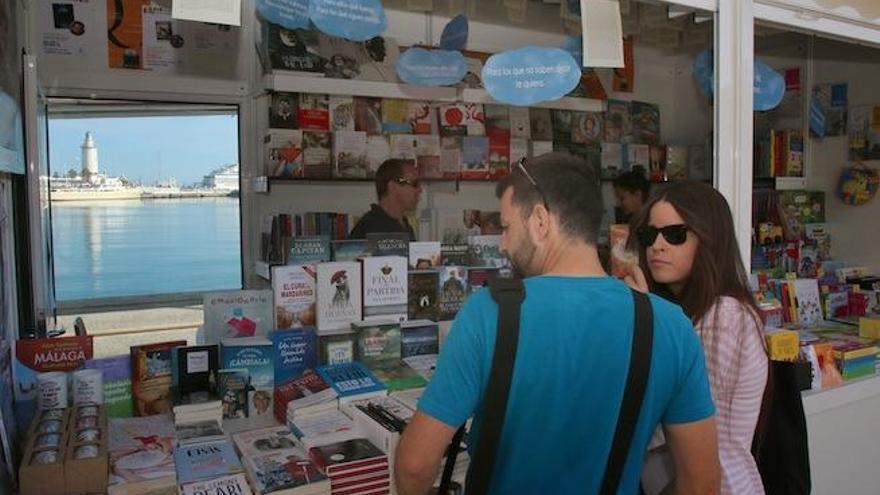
{"type": "Point", "coordinates": [297, 83]}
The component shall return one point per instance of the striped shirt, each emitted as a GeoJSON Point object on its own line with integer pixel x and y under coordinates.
{"type": "Point", "coordinates": [737, 365]}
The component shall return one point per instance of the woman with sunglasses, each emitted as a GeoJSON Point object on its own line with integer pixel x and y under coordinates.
{"type": "Point", "coordinates": [688, 253]}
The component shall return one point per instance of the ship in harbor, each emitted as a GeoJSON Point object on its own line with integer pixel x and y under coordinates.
{"type": "Point", "coordinates": [92, 185]}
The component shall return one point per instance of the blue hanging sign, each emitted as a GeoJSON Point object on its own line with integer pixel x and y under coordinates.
{"type": "Point", "coordinates": [769, 85]}
{"type": "Point", "coordinates": [455, 34]}
{"type": "Point", "coordinates": [529, 75]}
{"type": "Point", "coordinates": [574, 45]}
{"type": "Point", "coordinates": [290, 14]}
{"type": "Point", "coordinates": [431, 67]}
{"type": "Point", "coordinates": [355, 20]}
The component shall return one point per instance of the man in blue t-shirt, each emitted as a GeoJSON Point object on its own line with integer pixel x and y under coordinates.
{"type": "Point", "coordinates": [576, 331]}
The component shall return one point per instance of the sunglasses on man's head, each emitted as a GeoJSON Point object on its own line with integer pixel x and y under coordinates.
{"type": "Point", "coordinates": [674, 234]}
{"type": "Point", "coordinates": [407, 182]}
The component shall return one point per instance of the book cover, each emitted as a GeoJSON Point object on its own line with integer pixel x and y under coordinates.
{"type": "Point", "coordinates": [645, 122]}
{"type": "Point", "coordinates": [291, 49]}
{"type": "Point", "coordinates": [253, 443]}
{"type": "Point", "coordinates": [286, 470]}
{"type": "Point", "coordinates": [395, 116]}
{"type": "Point", "coordinates": [421, 117]}
{"type": "Point", "coordinates": [424, 255]}
{"type": "Point", "coordinates": [341, 113]}
{"type": "Point", "coordinates": [423, 297]}
{"type": "Point", "coordinates": [378, 150]}
{"type": "Point", "coordinates": [479, 277]}
{"type": "Point", "coordinates": [385, 288]}
{"type": "Point", "coordinates": [351, 379]}
{"type": "Point", "coordinates": [141, 449]}
{"type": "Point", "coordinates": [317, 427]}
{"type": "Point", "coordinates": [397, 375]}
{"type": "Point", "coordinates": [388, 243]}
{"type": "Point", "coordinates": [283, 110]}
{"type": "Point", "coordinates": [541, 123]}
{"type": "Point", "coordinates": [403, 147]}
{"type": "Point", "coordinates": [809, 305]}
{"type": "Point", "coordinates": [454, 254]}
{"type": "Point", "coordinates": [368, 115]}
{"type": "Point", "coordinates": [295, 295]}
{"type": "Point", "coordinates": [474, 119]}
{"type": "Point", "coordinates": [116, 372]}
{"type": "Point", "coordinates": [314, 112]}
{"type": "Point", "coordinates": [194, 367]}
{"type": "Point", "coordinates": [226, 485]}
{"type": "Point", "coordinates": [419, 337]}
{"type": "Point", "coordinates": [317, 154]}
{"type": "Point", "coordinates": [453, 291]}
{"type": "Point", "coordinates": [349, 249]}
{"type": "Point", "coordinates": [377, 342]}
{"type": "Point", "coordinates": [342, 56]}
{"type": "Point", "coordinates": [283, 153]}
{"type": "Point", "coordinates": [237, 313]}
{"type": "Point", "coordinates": [304, 391]}
{"type": "Point", "coordinates": [205, 461]}
{"type": "Point", "coordinates": [427, 150]}
{"type": "Point", "coordinates": [338, 455]}
{"type": "Point", "coordinates": [296, 350]}
{"type": "Point", "coordinates": [309, 250]}
{"type": "Point", "coordinates": [151, 377]}
{"type": "Point", "coordinates": [798, 208]}
{"type": "Point", "coordinates": [587, 128]}
{"type": "Point", "coordinates": [232, 387]}
{"type": "Point", "coordinates": [338, 348]}
{"type": "Point", "coordinates": [339, 295]}
{"type": "Point", "coordinates": [350, 155]}
{"type": "Point", "coordinates": [520, 122]}
{"type": "Point", "coordinates": [452, 118]}
{"type": "Point", "coordinates": [475, 157]}
{"type": "Point", "coordinates": [378, 59]}
{"type": "Point", "coordinates": [485, 251]}
{"type": "Point", "coordinates": [256, 356]}
{"type": "Point", "coordinates": [198, 432]}
{"type": "Point", "coordinates": [450, 157]}
{"type": "Point", "coordinates": [618, 122]}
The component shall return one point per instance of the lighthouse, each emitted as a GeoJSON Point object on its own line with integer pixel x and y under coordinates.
{"type": "Point", "coordinates": [89, 159]}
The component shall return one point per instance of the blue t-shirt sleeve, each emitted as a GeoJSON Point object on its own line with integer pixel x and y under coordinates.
{"type": "Point", "coordinates": [454, 390]}
{"type": "Point", "coordinates": [692, 399]}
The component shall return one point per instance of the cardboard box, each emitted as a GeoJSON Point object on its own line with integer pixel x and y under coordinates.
{"type": "Point", "coordinates": [86, 475]}
{"type": "Point", "coordinates": [44, 479]}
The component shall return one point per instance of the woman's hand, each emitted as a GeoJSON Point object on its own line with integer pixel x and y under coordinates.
{"type": "Point", "coordinates": [635, 278]}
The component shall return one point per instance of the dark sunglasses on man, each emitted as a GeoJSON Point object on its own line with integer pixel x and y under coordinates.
{"type": "Point", "coordinates": [407, 182]}
{"type": "Point", "coordinates": [674, 234]}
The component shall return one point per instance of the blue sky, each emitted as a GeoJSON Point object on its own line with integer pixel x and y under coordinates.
{"type": "Point", "coordinates": [148, 149]}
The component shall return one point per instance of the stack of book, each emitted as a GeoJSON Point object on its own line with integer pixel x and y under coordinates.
{"type": "Point", "coordinates": [354, 467]}
{"type": "Point", "coordinates": [192, 408]}
{"type": "Point", "coordinates": [199, 465]}
{"type": "Point", "coordinates": [855, 359]}
{"type": "Point", "coordinates": [316, 430]}
{"type": "Point", "coordinates": [275, 464]}
{"type": "Point", "coordinates": [303, 396]}
{"type": "Point", "coordinates": [352, 381]}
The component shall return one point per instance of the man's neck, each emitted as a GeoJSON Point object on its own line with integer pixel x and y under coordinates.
{"type": "Point", "coordinates": [573, 259]}
{"type": "Point", "coordinates": [392, 209]}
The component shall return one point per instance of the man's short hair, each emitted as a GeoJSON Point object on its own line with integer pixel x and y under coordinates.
{"type": "Point", "coordinates": [390, 170]}
{"type": "Point", "coordinates": [570, 188]}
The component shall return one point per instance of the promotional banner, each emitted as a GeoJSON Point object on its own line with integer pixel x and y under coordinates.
{"type": "Point", "coordinates": [291, 14]}
{"type": "Point", "coordinates": [529, 75]}
{"type": "Point", "coordinates": [431, 67]}
{"type": "Point", "coordinates": [355, 20]}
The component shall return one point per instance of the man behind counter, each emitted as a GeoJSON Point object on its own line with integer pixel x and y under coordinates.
{"type": "Point", "coordinates": [397, 186]}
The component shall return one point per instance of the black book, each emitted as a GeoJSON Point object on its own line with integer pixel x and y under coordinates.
{"type": "Point", "coordinates": [388, 243]}
{"type": "Point", "coordinates": [194, 367]}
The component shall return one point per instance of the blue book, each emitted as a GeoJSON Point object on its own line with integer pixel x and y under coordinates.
{"type": "Point", "coordinates": [352, 380]}
{"type": "Point", "coordinates": [309, 249]}
{"type": "Point", "coordinates": [296, 350]}
{"type": "Point", "coordinates": [256, 355]}
{"type": "Point", "coordinates": [205, 461]}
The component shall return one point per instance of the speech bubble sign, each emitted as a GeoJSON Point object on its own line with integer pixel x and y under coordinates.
{"type": "Point", "coordinates": [768, 86]}
{"type": "Point", "coordinates": [355, 20]}
{"type": "Point", "coordinates": [531, 74]}
{"type": "Point", "coordinates": [290, 14]}
{"type": "Point", "coordinates": [431, 67]}
{"type": "Point", "coordinates": [455, 34]}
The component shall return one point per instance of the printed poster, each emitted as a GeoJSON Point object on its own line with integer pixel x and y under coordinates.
{"type": "Point", "coordinates": [160, 42]}
{"type": "Point", "coordinates": [63, 24]}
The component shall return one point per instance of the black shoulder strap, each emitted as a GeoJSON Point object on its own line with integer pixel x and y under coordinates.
{"type": "Point", "coordinates": [509, 294]}
{"type": "Point", "coordinates": [636, 382]}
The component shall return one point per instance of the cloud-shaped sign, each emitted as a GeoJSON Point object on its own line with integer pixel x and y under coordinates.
{"type": "Point", "coordinates": [355, 20]}
{"type": "Point", "coordinates": [290, 14]}
{"type": "Point", "coordinates": [455, 34]}
{"type": "Point", "coordinates": [529, 75]}
{"type": "Point", "coordinates": [431, 67]}
{"type": "Point", "coordinates": [769, 85]}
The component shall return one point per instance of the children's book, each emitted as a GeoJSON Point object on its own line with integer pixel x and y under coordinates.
{"type": "Point", "coordinates": [395, 116]}
{"type": "Point", "coordinates": [283, 153]}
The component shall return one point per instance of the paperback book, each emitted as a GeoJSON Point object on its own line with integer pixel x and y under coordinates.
{"type": "Point", "coordinates": [317, 154]}
{"type": "Point", "coordinates": [338, 348]}
{"type": "Point", "coordinates": [419, 337]}
{"type": "Point", "coordinates": [314, 112]}
{"type": "Point", "coordinates": [385, 287]}
{"type": "Point", "coordinates": [423, 295]}
{"type": "Point", "coordinates": [256, 356]}
{"type": "Point", "coordinates": [286, 470]}
{"type": "Point", "coordinates": [395, 116]}
{"type": "Point", "coordinates": [453, 291]}
{"type": "Point", "coordinates": [352, 381]}
{"type": "Point", "coordinates": [198, 432]}
{"type": "Point", "coordinates": [291, 50]}
{"type": "Point", "coordinates": [378, 150]}
{"type": "Point", "coordinates": [341, 113]}
{"type": "Point", "coordinates": [296, 350]}
{"type": "Point", "coordinates": [475, 157]}
{"type": "Point", "coordinates": [541, 124]}
{"type": "Point", "coordinates": [225, 485]}
{"type": "Point", "coordinates": [193, 367]}
{"type": "Point", "coordinates": [520, 123]}
{"type": "Point", "coordinates": [232, 387]}
{"type": "Point", "coordinates": [295, 295]}
{"type": "Point", "coordinates": [349, 249]}
{"type": "Point", "coordinates": [618, 122]}
{"type": "Point", "coordinates": [453, 118]}
{"type": "Point", "coordinates": [339, 295]}
{"type": "Point", "coordinates": [205, 461]}
{"type": "Point", "coordinates": [141, 452]}
{"type": "Point", "coordinates": [350, 155]}
{"type": "Point", "coordinates": [450, 157]}
{"type": "Point", "coordinates": [283, 110]}
{"type": "Point", "coordinates": [116, 373]}
{"type": "Point", "coordinates": [377, 342]}
{"type": "Point", "coordinates": [309, 250]}
{"type": "Point", "coordinates": [283, 153]}
{"type": "Point", "coordinates": [424, 255]}
{"type": "Point", "coordinates": [236, 314]}
{"type": "Point", "coordinates": [587, 128]}
{"type": "Point", "coordinates": [421, 116]}
{"type": "Point", "coordinates": [388, 243]}
{"type": "Point", "coordinates": [368, 115]}
{"type": "Point", "coordinates": [645, 122]}
{"type": "Point", "coordinates": [151, 376]}
{"type": "Point", "coordinates": [485, 251]}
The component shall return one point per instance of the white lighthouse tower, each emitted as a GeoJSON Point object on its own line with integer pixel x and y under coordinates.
{"type": "Point", "coordinates": [89, 159]}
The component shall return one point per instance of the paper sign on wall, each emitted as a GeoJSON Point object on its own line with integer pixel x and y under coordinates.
{"type": "Point", "coordinates": [431, 67]}
{"type": "Point", "coordinates": [602, 33]}
{"type": "Point", "coordinates": [355, 20]}
{"type": "Point", "coordinates": [291, 14]}
{"type": "Point", "coordinates": [227, 12]}
{"type": "Point", "coordinates": [529, 75]}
